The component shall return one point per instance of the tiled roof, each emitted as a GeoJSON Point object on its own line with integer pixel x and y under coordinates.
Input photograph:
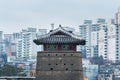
{"type": "Point", "coordinates": [59, 39]}
{"type": "Point", "coordinates": [66, 37]}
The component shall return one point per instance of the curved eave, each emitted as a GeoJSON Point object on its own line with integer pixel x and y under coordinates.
{"type": "Point", "coordinates": [39, 42]}
{"type": "Point", "coordinates": [61, 29]}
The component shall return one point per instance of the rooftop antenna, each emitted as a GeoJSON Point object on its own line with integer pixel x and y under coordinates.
{"type": "Point", "coordinates": [60, 25]}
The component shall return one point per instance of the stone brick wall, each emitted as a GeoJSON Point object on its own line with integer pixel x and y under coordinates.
{"type": "Point", "coordinates": [59, 66]}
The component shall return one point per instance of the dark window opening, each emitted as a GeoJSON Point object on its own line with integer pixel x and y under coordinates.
{"type": "Point", "coordinates": [71, 54]}
{"type": "Point", "coordinates": [66, 47]}
{"type": "Point", "coordinates": [51, 47]}
{"type": "Point", "coordinates": [71, 64]}
{"type": "Point", "coordinates": [51, 68]}
{"type": "Point", "coordinates": [49, 64]}
{"type": "Point", "coordinates": [66, 69]}
{"type": "Point", "coordinates": [64, 64]}
{"type": "Point", "coordinates": [48, 54]}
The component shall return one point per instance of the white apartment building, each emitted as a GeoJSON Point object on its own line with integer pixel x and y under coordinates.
{"type": "Point", "coordinates": [102, 41]}
{"type": "Point", "coordinates": [1, 35]}
{"type": "Point", "coordinates": [112, 42]}
{"type": "Point", "coordinates": [40, 33]}
{"type": "Point", "coordinates": [89, 32]}
{"type": "Point", "coordinates": [94, 39]}
{"type": "Point", "coordinates": [117, 43]}
{"type": "Point", "coordinates": [117, 17]}
{"type": "Point", "coordinates": [94, 43]}
{"type": "Point", "coordinates": [108, 42]}
{"type": "Point", "coordinates": [19, 49]}
{"type": "Point", "coordinates": [85, 32]}
{"type": "Point", "coordinates": [1, 43]}
{"type": "Point", "coordinates": [26, 49]}
{"type": "Point", "coordinates": [117, 23]}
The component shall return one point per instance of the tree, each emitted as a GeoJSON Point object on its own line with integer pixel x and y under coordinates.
{"type": "Point", "coordinates": [9, 70]}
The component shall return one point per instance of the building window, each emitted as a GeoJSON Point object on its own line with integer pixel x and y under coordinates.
{"type": "Point", "coordinates": [51, 69]}
{"type": "Point", "coordinates": [51, 47]}
{"type": "Point", "coordinates": [71, 54]}
{"type": "Point", "coordinates": [66, 47]}
{"type": "Point", "coordinates": [117, 38]}
{"type": "Point", "coordinates": [117, 57]}
{"type": "Point", "coordinates": [56, 55]}
{"type": "Point", "coordinates": [117, 45]}
{"type": "Point", "coordinates": [117, 32]}
{"type": "Point", "coordinates": [48, 54]}
{"type": "Point", "coordinates": [105, 57]}
{"type": "Point", "coordinates": [66, 69]}
{"type": "Point", "coordinates": [117, 48]}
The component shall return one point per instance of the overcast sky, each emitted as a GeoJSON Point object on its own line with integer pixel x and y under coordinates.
{"type": "Point", "coordinates": [16, 15]}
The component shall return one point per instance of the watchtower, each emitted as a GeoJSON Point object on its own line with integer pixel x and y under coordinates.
{"type": "Point", "coordinates": [59, 60]}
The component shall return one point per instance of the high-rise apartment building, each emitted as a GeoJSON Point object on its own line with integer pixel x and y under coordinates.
{"type": "Point", "coordinates": [94, 43]}
{"type": "Point", "coordinates": [3, 58]}
{"type": "Point", "coordinates": [113, 43]}
{"type": "Point", "coordinates": [117, 43]}
{"type": "Point", "coordinates": [40, 33]}
{"type": "Point", "coordinates": [10, 41]}
{"type": "Point", "coordinates": [26, 49]}
{"type": "Point", "coordinates": [102, 41]}
{"type": "Point", "coordinates": [19, 49]}
{"type": "Point", "coordinates": [100, 21]}
{"type": "Point", "coordinates": [94, 39]}
{"type": "Point", "coordinates": [2, 48]}
{"type": "Point", "coordinates": [1, 35]}
{"type": "Point", "coordinates": [85, 32]}
{"type": "Point", "coordinates": [89, 32]}
{"type": "Point", "coordinates": [16, 36]}
{"type": "Point", "coordinates": [117, 23]}
{"type": "Point", "coordinates": [117, 17]}
{"type": "Point", "coordinates": [108, 42]}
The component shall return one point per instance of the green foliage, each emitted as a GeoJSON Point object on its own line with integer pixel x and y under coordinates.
{"type": "Point", "coordinates": [9, 70]}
